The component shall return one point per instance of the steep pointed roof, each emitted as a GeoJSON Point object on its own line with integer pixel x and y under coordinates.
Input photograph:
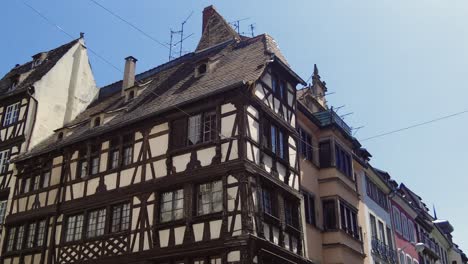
{"type": "Point", "coordinates": [216, 30]}
{"type": "Point", "coordinates": [235, 63]}
{"type": "Point", "coordinates": [28, 73]}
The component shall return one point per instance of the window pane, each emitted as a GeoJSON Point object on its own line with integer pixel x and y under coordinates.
{"type": "Point", "coordinates": [194, 129]}
{"type": "Point", "coordinates": [41, 233]}
{"type": "Point", "coordinates": [11, 239]}
{"type": "Point", "coordinates": [3, 205]}
{"type": "Point", "coordinates": [31, 235]}
{"type": "Point", "coordinates": [19, 238]}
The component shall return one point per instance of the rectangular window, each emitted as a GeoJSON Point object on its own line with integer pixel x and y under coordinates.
{"type": "Point", "coordinates": [329, 215]}
{"type": "Point", "coordinates": [210, 197]}
{"type": "Point", "coordinates": [11, 239]}
{"type": "Point", "coordinates": [343, 161]}
{"type": "Point", "coordinates": [36, 182]}
{"type": "Point", "coordinates": [96, 221]}
{"type": "Point", "coordinates": [373, 226]}
{"type": "Point", "coordinates": [113, 154]}
{"type": "Point", "coordinates": [411, 231]}
{"type": "Point", "coordinates": [325, 154]}
{"type": "Point", "coordinates": [120, 217]}
{"type": "Point", "coordinates": [349, 220]}
{"type": "Point", "coordinates": [41, 233]}
{"type": "Point", "coordinates": [74, 228]}
{"type": "Point", "coordinates": [128, 150]}
{"type": "Point", "coordinates": [273, 140]}
{"type": "Point", "coordinates": [11, 114]}
{"type": "Point", "coordinates": [172, 206]}
{"type": "Point", "coordinates": [95, 158]}
{"type": "Point", "coordinates": [267, 201]}
{"type": "Point", "coordinates": [4, 160]}
{"type": "Point", "coordinates": [3, 205]}
{"type": "Point", "coordinates": [309, 204]}
{"type": "Point", "coordinates": [305, 144]}
{"type": "Point", "coordinates": [82, 163]}
{"type": "Point", "coordinates": [26, 185]}
{"type": "Point", "coordinates": [381, 232]}
{"type": "Point", "coordinates": [209, 126]}
{"type": "Point", "coordinates": [31, 235]}
{"type": "Point", "coordinates": [19, 238]}
{"type": "Point", "coordinates": [376, 194]}
{"type": "Point", "coordinates": [282, 152]}
{"type": "Point", "coordinates": [404, 226]}
{"type": "Point", "coordinates": [291, 214]}
{"type": "Point", "coordinates": [194, 128]}
{"type": "Point", "coordinates": [397, 219]}
{"type": "Point", "coordinates": [45, 179]}
{"type": "Point", "coordinates": [389, 238]}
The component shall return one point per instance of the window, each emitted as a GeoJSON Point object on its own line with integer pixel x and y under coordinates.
{"type": "Point", "coordinates": [373, 226]}
{"type": "Point", "coordinates": [26, 185]}
{"type": "Point", "coordinates": [309, 204]}
{"type": "Point", "coordinates": [36, 182]}
{"type": "Point", "coordinates": [41, 233]}
{"type": "Point", "coordinates": [95, 223]}
{"type": "Point", "coordinates": [172, 206]}
{"type": "Point", "coordinates": [389, 238]}
{"type": "Point", "coordinates": [274, 139]}
{"type": "Point", "coordinates": [267, 201]}
{"type": "Point", "coordinates": [11, 239]}
{"type": "Point", "coordinates": [3, 205]}
{"type": "Point", "coordinates": [45, 179]}
{"type": "Point", "coordinates": [97, 121]}
{"type": "Point", "coordinates": [291, 213]}
{"type": "Point", "coordinates": [19, 238]}
{"type": "Point", "coordinates": [325, 154]}
{"type": "Point", "coordinates": [120, 217]}
{"type": "Point", "coordinates": [349, 220]}
{"type": "Point", "coordinates": [11, 114]}
{"type": "Point", "coordinates": [305, 144]}
{"type": "Point", "coordinates": [376, 194]}
{"type": "Point", "coordinates": [210, 197]}
{"type": "Point", "coordinates": [4, 160]}
{"type": "Point", "coordinates": [74, 228]}
{"type": "Point", "coordinates": [382, 232]}
{"type": "Point", "coordinates": [95, 158]}
{"type": "Point", "coordinates": [404, 225]}
{"type": "Point", "coordinates": [397, 219]}
{"type": "Point", "coordinates": [82, 163]}
{"type": "Point", "coordinates": [201, 128]}
{"type": "Point", "coordinates": [411, 231]}
{"type": "Point", "coordinates": [329, 215]}
{"type": "Point", "coordinates": [113, 154]}
{"type": "Point", "coordinates": [202, 69]}
{"type": "Point", "coordinates": [343, 161]}
{"type": "Point", "coordinates": [31, 235]}
{"type": "Point", "coordinates": [128, 149]}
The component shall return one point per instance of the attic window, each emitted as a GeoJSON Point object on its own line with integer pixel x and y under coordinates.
{"type": "Point", "coordinates": [201, 69]}
{"type": "Point", "coordinates": [60, 136]}
{"type": "Point", "coordinates": [14, 83]}
{"type": "Point", "coordinates": [131, 95]}
{"type": "Point", "coordinates": [97, 121]}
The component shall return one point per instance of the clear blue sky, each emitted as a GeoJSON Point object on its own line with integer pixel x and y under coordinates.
{"type": "Point", "coordinates": [391, 63]}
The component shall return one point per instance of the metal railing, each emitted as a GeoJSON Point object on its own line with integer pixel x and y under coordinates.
{"type": "Point", "coordinates": [328, 117]}
{"type": "Point", "coordinates": [384, 251]}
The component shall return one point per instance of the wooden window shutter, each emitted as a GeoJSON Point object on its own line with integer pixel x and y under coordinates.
{"type": "Point", "coordinates": [178, 133]}
{"type": "Point", "coordinates": [325, 154]}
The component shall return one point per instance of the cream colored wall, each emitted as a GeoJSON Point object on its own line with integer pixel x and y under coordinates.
{"type": "Point", "coordinates": [63, 92]}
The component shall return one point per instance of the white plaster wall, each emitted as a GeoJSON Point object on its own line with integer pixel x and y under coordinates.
{"type": "Point", "coordinates": [66, 89]}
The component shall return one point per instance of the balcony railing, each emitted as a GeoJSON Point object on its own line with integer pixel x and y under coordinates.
{"type": "Point", "coordinates": [329, 117]}
{"type": "Point", "coordinates": [384, 251]}
{"type": "Point", "coordinates": [430, 245]}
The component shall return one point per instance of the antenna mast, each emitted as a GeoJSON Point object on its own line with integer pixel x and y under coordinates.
{"type": "Point", "coordinates": [180, 42]}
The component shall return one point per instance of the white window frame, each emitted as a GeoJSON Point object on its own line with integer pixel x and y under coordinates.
{"type": "Point", "coordinates": [11, 114]}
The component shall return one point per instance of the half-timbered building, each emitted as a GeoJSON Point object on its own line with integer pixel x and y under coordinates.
{"type": "Point", "coordinates": [56, 83]}
{"type": "Point", "coordinates": [194, 161]}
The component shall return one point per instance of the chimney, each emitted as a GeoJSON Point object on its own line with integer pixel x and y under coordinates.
{"type": "Point", "coordinates": [207, 13]}
{"type": "Point", "coordinates": [129, 73]}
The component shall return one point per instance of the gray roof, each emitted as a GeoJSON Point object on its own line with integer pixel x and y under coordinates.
{"type": "Point", "coordinates": [29, 74]}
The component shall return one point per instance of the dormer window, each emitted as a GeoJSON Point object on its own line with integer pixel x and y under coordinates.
{"type": "Point", "coordinates": [60, 136]}
{"type": "Point", "coordinates": [97, 121]}
{"type": "Point", "coordinates": [36, 63]}
{"type": "Point", "coordinates": [201, 69]}
{"type": "Point", "coordinates": [14, 83]}
{"type": "Point", "coordinates": [130, 94]}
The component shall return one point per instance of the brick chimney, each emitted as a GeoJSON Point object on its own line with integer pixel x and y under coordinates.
{"type": "Point", "coordinates": [129, 73]}
{"type": "Point", "coordinates": [207, 13]}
